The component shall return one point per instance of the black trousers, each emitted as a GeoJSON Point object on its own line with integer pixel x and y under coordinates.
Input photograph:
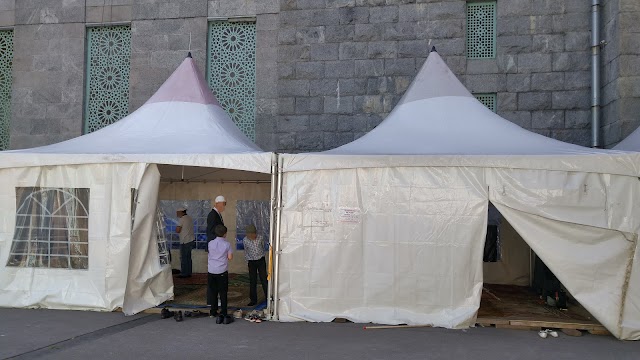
{"type": "Point", "coordinates": [257, 268]}
{"type": "Point", "coordinates": [217, 285]}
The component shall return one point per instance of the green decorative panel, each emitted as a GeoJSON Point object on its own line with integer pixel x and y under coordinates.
{"type": "Point", "coordinates": [107, 79]}
{"type": "Point", "coordinates": [231, 71]}
{"type": "Point", "coordinates": [489, 100]}
{"type": "Point", "coordinates": [6, 62]}
{"type": "Point", "coordinates": [481, 30]}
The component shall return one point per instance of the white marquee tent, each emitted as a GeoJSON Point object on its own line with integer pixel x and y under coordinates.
{"type": "Point", "coordinates": [68, 239]}
{"type": "Point", "coordinates": [390, 228]}
{"type": "Point", "coordinates": [630, 143]}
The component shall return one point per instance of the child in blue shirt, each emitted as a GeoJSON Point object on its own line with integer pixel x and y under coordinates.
{"type": "Point", "coordinates": [220, 252]}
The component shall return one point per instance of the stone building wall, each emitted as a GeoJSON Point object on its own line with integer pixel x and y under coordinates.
{"type": "Point", "coordinates": [328, 71]}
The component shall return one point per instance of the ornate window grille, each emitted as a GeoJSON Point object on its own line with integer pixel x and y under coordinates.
{"type": "Point", "coordinates": [481, 30]}
{"type": "Point", "coordinates": [231, 70]}
{"type": "Point", "coordinates": [6, 62]}
{"type": "Point", "coordinates": [52, 229]}
{"type": "Point", "coordinates": [489, 100]}
{"type": "Point", "coordinates": [107, 79]}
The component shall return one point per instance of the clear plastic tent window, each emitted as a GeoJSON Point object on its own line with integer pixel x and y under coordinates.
{"type": "Point", "coordinates": [52, 228]}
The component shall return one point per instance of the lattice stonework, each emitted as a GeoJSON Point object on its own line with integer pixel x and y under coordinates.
{"type": "Point", "coordinates": [489, 100]}
{"type": "Point", "coordinates": [6, 61]}
{"type": "Point", "coordinates": [231, 71]}
{"type": "Point", "coordinates": [481, 30]}
{"type": "Point", "coordinates": [107, 80]}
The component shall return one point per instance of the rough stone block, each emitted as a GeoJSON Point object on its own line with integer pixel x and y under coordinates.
{"type": "Point", "coordinates": [309, 105]}
{"type": "Point", "coordinates": [121, 13]}
{"type": "Point", "coordinates": [577, 119]}
{"type": "Point", "coordinates": [339, 33]}
{"type": "Point", "coordinates": [440, 29]}
{"type": "Point", "coordinates": [482, 66]}
{"type": "Point", "coordinates": [534, 63]}
{"type": "Point", "coordinates": [334, 140]}
{"type": "Point", "coordinates": [286, 105]}
{"type": "Point", "coordinates": [293, 52]}
{"type": "Point", "coordinates": [487, 83]}
{"type": "Point", "coordinates": [580, 137]}
{"type": "Point", "coordinates": [338, 105]}
{"type": "Point", "coordinates": [324, 52]}
{"type": "Point", "coordinates": [520, 118]}
{"type": "Point", "coordinates": [287, 36]}
{"type": "Point", "coordinates": [507, 101]}
{"type": "Point", "coordinates": [548, 43]}
{"type": "Point", "coordinates": [286, 141]}
{"type": "Point", "coordinates": [534, 101]}
{"type": "Point", "coordinates": [575, 80]}
{"type": "Point", "coordinates": [512, 25]}
{"type": "Point", "coordinates": [353, 15]}
{"type": "Point", "coordinates": [323, 122]}
{"type": "Point", "coordinates": [323, 87]}
{"type": "Point", "coordinates": [293, 88]}
{"type": "Point", "coordinates": [573, 61]}
{"type": "Point", "coordinates": [374, 67]}
{"type": "Point", "coordinates": [400, 31]}
{"type": "Point", "coordinates": [413, 48]}
{"type": "Point", "coordinates": [7, 18]}
{"type": "Point", "coordinates": [517, 44]}
{"type": "Point", "coordinates": [444, 10]}
{"type": "Point", "coordinates": [369, 32]}
{"type": "Point", "coordinates": [292, 123]}
{"type": "Point", "coordinates": [368, 104]}
{"type": "Point", "coordinates": [513, 7]}
{"type": "Point", "coordinates": [578, 41]}
{"type": "Point", "coordinates": [379, 85]}
{"type": "Point", "coordinates": [310, 35]}
{"type": "Point", "coordinates": [401, 84]}
{"type": "Point", "coordinates": [549, 119]}
{"type": "Point", "coordinates": [547, 81]}
{"type": "Point", "coordinates": [146, 11]}
{"type": "Point", "coordinates": [353, 50]}
{"type": "Point", "coordinates": [7, 5]}
{"type": "Point", "coordinates": [339, 69]}
{"type": "Point", "coordinates": [310, 70]}
{"type": "Point", "coordinates": [267, 6]}
{"type": "Point", "coordinates": [573, 99]}
{"type": "Point", "coordinates": [351, 86]}
{"type": "Point", "coordinates": [571, 22]}
{"type": "Point", "coordinates": [383, 49]}
{"type": "Point", "coordinates": [383, 14]}
{"type": "Point", "coordinates": [412, 12]}
{"type": "Point", "coordinates": [406, 66]}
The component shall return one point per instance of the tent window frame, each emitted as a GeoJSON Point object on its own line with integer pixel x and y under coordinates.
{"type": "Point", "coordinates": [52, 229]}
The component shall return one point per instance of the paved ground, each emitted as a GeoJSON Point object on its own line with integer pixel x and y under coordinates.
{"type": "Point", "coordinates": [48, 334]}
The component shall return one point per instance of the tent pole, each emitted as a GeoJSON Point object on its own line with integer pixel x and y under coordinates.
{"type": "Point", "coordinates": [274, 170]}
{"type": "Point", "coordinates": [276, 253]}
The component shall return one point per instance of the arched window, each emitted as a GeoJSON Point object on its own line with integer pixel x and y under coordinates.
{"type": "Point", "coordinates": [52, 228]}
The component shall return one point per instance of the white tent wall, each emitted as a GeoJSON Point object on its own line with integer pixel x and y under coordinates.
{"type": "Point", "coordinates": [102, 285]}
{"type": "Point", "coordinates": [148, 283]}
{"type": "Point", "coordinates": [513, 267]}
{"type": "Point", "coordinates": [386, 245]}
{"type": "Point", "coordinates": [232, 191]}
{"type": "Point", "coordinates": [584, 227]}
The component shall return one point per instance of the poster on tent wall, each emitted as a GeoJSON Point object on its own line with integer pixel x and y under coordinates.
{"type": "Point", "coordinates": [197, 209]}
{"type": "Point", "coordinates": [252, 212]}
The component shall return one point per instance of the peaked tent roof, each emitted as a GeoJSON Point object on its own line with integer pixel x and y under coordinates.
{"type": "Point", "coordinates": [630, 143]}
{"type": "Point", "coordinates": [181, 124]}
{"type": "Point", "coordinates": [438, 122]}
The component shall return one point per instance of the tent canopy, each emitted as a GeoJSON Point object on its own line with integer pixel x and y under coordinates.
{"type": "Point", "coordinates": [630, 143]}
{"type": "Point", "coordinates": [203, 136]}
{"type": "Point", "coordinates": [440, 118]}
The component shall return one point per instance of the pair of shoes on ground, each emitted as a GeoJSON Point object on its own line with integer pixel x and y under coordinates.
{"type": "Point", "coordinates": [224, 319]}
{"type": "Point", "coordinates": [544, 333]}
{"type": "Point", "coordinates": [254, 316]}
{"type": "Point", "coordinates": [237, 314]}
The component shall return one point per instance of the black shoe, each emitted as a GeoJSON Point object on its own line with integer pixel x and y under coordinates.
{"type": "Point", "coordinates": [165, 313]}
{"type": "Point", "coordinates": [228, 319]}
{"type": "Point", "coordinates": [220, 319]}
{"type": "Point", "coordinates": [251, 304]}
{"type": "Point", "coordinates": [178, 316]}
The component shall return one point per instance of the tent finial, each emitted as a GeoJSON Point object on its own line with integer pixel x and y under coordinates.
{"type": "Point", "coordinates": [189, 54]}
{"type": "Point", "coordinates": [433, 49]}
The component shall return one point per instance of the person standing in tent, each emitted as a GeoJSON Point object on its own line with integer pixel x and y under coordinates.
{"type": "Point", "coordinates": [220, 253]}
{"type": "Point", "coordinates": [215, 217]}
{"type": "Point", "coordinates": [187, 240]}
{"type": "Point", "coordinates": [254, 254]}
